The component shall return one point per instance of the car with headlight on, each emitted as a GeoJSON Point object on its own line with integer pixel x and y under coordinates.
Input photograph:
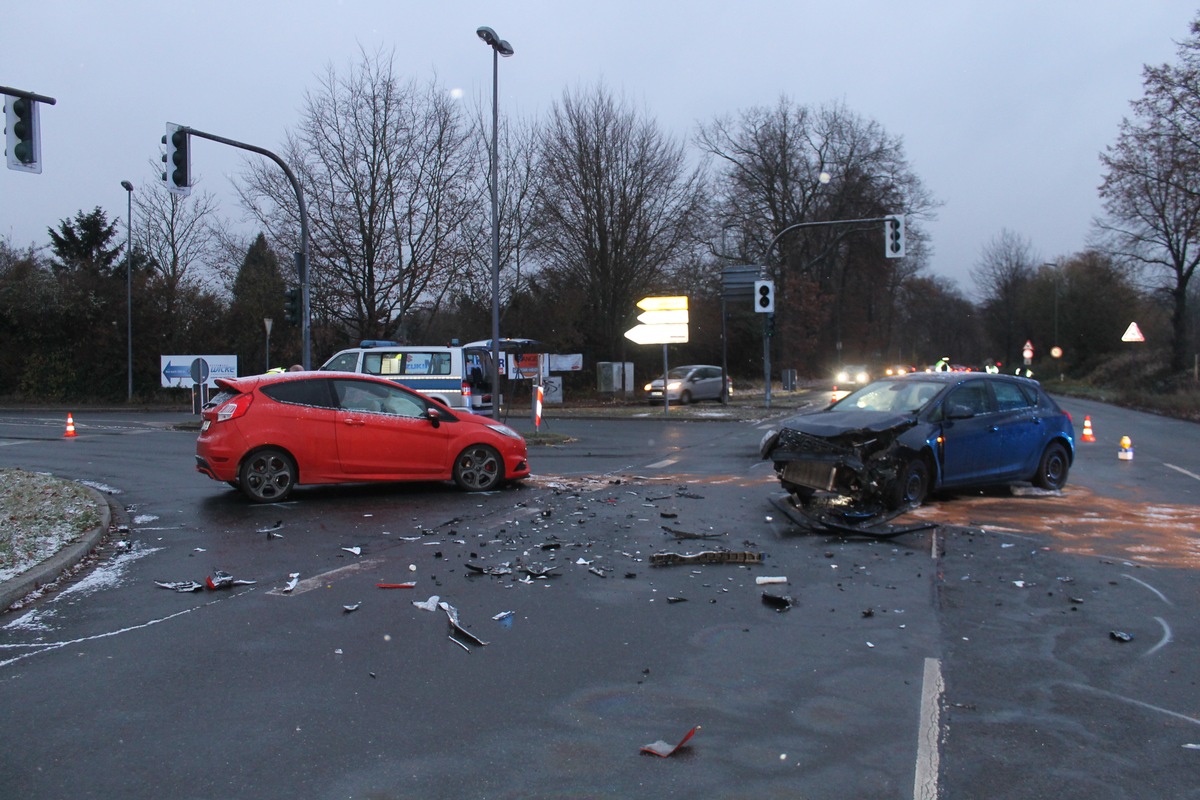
{"type": "Point", "coordinates": [889, 444]}
{"type": "Point", "coordinates": [688, 384]}
{"type": "Point", "coordinates": [852, 374]}
{"type": "Point", "coordinates": [266, 434]}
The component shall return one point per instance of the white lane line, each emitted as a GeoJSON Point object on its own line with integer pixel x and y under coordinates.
{"type": "Point", "coordinates": [925, 782]}
{"type": "Point", "coordinates": [1181, 469]}
{"type": "Point", "coordinates": [666, 462]}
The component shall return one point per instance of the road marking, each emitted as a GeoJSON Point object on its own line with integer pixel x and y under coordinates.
{"type": "Point", "coordinates": [317, 581]}
{"type": "Point", "coordinates": [925, 782]}
{"type": "Point", "coordinates": [1161, 596]}
{"type": "Point", "coordinates": [1181, 469]}
{"type": "Point", "coordinates": [1164, 641]}
{"type": "Point", "coordinates": [666, 462]}
{"type": "Point", "coordinates": [1113, 696]}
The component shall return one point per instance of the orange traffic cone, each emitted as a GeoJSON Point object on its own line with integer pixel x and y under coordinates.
{"type": "Point", "coordinates": [70, 427]}
{"type": "Point", "coordinates": [1088, 435]}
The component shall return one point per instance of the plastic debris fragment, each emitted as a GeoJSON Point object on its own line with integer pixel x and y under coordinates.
{"type": "Point", "coordinates": [539, 570]}
{"type": "Point", "coordinates": [678, 534]}
{"type": "Point", "coordinates": [1120, 636]}
{"type": "Point", "coordinates": [706, 557]}
{"type": "Point", "coordinates": [294, 579]}
{"type": "Point", "coordinates": [488, 570]}
{"type": "Point", "coordinates": [458, 634]}
{"type": "Point", "coordinates": [427, 605]}
{"type": "Point", "coordinates": [676, 599]}
{"type": "Point", "coordinates": [223, 580]}
{"type": "Point", "coordinates": [502, 615]}
{"type": "Point", "coordinates": [762, 580]}
{"type": "Point", "coordinates": [408, 585]}
{"type": "Point", "coordinates": [664, 750]}
{"type": "Point", "coordinates": [270, 528]}
{"type": "Point", "coordinates": [356, 551]}
{"type": "Point", "coordinates": [180, 586]}
{"type": "Point", "coordinates": [352, 607]}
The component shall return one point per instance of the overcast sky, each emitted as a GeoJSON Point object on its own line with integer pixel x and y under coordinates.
{"type": "Point", "coordinates": [1003, 106]}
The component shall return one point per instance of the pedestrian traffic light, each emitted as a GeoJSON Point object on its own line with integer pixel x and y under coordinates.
{"type": "Point", "coordinates": [291, 306]}
{"type": "Point", "coordinates": [178, 160]}
{"type": "Point", "coordinates": [23, 145]}
{"type": "Point", "coordinates": [893, 236]}
{"type": "Point", "coordinates": [764, 297]}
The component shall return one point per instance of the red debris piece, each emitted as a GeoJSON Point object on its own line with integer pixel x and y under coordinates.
{"type": "Point", "coordinates": [664, 750]}
{"type": "Point", "coordinates": [396, 585]}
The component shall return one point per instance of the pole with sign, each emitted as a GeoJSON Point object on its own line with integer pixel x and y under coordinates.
{"type": "Point", "coordinates": [664, 321]}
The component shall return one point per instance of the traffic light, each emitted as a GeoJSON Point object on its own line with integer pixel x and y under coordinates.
{"type": "Point", "coordinates": [178, 160]}
{"type": "Point", "coordinates": [22, 134]}
{"type": "Point", "coordinates": [291, 306]}
{"type": "Point", "coordinates": [893, 236]}
{"type": "Point", "coordinates": [764, 297]}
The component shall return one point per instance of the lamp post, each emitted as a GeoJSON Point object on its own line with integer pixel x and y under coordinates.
{"type": "Point", "coordinates": [267, 324]}
{"type": "Point", "coordinates": [499, 48]}
{"type": "Point", "coordinates": [128, 187]}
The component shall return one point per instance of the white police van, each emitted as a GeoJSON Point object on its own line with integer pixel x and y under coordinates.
{"type": "Point", "coordinates": [458, 376]}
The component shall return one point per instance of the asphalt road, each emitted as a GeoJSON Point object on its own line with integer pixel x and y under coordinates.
{"type": "Point", "coordinates": [974, 659]}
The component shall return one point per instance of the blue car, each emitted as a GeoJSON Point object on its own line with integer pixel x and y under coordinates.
{"type": "Point", "coordinates": [889, 444]}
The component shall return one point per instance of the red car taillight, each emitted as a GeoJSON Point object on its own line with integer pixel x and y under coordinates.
{"type": "Point", "coordinates": [234, 408]}
{"type": "Point", "coordinates": [466, 391]}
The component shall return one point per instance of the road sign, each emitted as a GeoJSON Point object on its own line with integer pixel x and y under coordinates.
{"type": "Point", "coordinates": [674, 317]}
{"type": "Point", "coordinates": [672, 333]}
{"type": "Point", "coordinates": [1133, 334]}
{"type": "Point", "coordinates": [670, 303]}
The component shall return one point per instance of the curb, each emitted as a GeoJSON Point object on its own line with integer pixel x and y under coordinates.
{"type": "Point", "coordinates": [16, 588]}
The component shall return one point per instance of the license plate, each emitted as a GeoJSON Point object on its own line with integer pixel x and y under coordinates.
{"type": "Point", "coordinates": [204, 425]}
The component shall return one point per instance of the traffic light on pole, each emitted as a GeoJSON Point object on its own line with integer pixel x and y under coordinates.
{"type": "Point", "coordinates": [178, 160]}
{"type": "Point", "coordinates": [764, 297]}
{"type": "Point", "coordinates": [21, 130]}
{"type": "Point", "coordinates": [893, 236]}
{"type": "Point", "coordinates": [291, 306]}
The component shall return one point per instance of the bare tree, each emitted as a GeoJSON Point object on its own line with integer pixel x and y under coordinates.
{"type": "Point", "coordinates": [386, 169]}
{"type": "Point", "coordinates": [616, 211]}
{"type": "Point", "coordinates": [1151, 189]}
{"type": "Point", "coordinates": [791, 164]}
{"type": "Point", "coordinates": [519, 180]}
{"type": "Point", "coordinates": [178, 236]}
{"type": "Point", "coordinates": [1005, 268]}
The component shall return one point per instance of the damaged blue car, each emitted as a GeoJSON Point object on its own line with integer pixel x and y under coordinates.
{"type": "Point", "coordinates": [888, 445]}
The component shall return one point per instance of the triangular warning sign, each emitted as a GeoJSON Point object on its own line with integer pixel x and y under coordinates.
{"type": "Point", "coordinates": [1133, 334]}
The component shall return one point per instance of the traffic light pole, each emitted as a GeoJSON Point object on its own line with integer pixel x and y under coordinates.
{"type": "Point", "coordinates": [767, 266]}
{"type": "Point", "coordinates": [302, 255]}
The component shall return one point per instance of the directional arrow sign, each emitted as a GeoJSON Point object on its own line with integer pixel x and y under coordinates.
{"type": "Point", "coordinates": [671, 333]}
{"type": "Point", "coordinates": [675, 303]}
{"type": "Point", "coordinates": [674, 317]}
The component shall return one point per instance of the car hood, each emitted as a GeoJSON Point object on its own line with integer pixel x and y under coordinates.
{"type": "Point", "coordinates": [831, 422]}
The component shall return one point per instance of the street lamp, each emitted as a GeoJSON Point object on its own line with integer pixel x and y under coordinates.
{"type": "Point", "coordinates": [128, 187]}
{"type": "Point", "coordinates": [499, 48]}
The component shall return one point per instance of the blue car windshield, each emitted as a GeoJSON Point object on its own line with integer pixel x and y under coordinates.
{"type": "Point", "coordinates": [891, 395]}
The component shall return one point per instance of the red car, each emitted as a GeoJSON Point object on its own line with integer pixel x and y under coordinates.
{"type": "Point", "coordinates": [264, 434]}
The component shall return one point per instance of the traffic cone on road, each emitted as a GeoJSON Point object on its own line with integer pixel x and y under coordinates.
{"type": "Point", "coordinates": [1126, 451]}
{"type": "Point", "coordinates": [1088, 435]}
{"type": "Point", "coordinates": [70, 427]}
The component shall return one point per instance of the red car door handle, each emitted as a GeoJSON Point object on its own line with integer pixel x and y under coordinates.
{"type": "Point", "coordinates": [357, 422]}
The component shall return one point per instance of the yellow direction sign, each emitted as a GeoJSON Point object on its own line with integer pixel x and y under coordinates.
{"type": "Point", "coordinates": [673, 303]}
{"type": "Point", "coordinates": [1133, 334]}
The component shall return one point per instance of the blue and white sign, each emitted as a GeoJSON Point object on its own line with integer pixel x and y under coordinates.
{"type": "Point", "coordinates": [184, 372]}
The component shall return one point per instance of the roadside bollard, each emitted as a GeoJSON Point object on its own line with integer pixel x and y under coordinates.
{"type": "Point", "coordinates": [1126, 451]}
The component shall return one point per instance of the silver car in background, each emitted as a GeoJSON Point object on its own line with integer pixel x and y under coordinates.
{"type": "Point", "coordinates": [688, 385]}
